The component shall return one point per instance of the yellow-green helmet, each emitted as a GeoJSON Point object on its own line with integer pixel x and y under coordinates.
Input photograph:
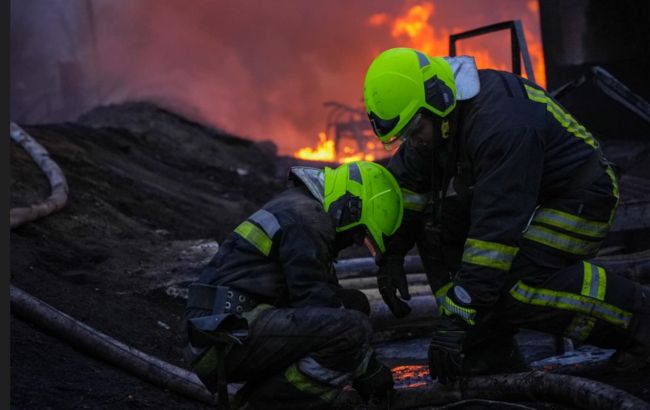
{"type": "Point", "coordinates": [364, 194]}
{"type": "Point", "coordinates": [401, 82]}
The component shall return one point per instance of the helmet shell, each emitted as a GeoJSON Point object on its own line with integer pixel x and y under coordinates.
{"type": "Point", "coordinates": [379, 194]}
{"type": "Point", "coordinates": [402, 81]}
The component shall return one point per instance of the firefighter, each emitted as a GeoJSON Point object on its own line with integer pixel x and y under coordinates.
{"type": "Point", "coordinates": [506, 196]}
{"type": "Point", "coordinates": [268, 310]}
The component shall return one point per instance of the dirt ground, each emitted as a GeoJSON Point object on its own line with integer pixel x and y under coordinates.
{"type": "Point", "coordinates": [141, 186]}
{"type": "Point", "coordinates": [145, 185]}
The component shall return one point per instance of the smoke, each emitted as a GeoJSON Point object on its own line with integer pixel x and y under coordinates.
{"type": "Point", "coordinates": [259, 69]}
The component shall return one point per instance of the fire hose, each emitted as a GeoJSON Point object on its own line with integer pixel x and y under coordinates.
{"type": "Point", "coordinates": [577, 391]}
{"type": "Point", "coordinates": [59, 186]}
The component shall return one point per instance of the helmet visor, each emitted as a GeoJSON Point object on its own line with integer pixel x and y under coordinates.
{"type": "Point", "coordinates": [380, 126]}
{"type": "Point", "coordinates": [405, 133]}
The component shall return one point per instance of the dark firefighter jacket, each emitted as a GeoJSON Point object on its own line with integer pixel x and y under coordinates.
{"type": "Point", "coordinates": [281, 254]}
{"type": "Point", "coordinates": [514, 149]}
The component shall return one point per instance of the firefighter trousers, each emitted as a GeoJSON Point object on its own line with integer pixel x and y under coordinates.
{"type": "Point", "coordinates": [298, 358]}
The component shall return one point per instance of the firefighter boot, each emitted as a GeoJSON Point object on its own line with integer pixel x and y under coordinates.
{"type": "Point", "coordinates": [493, 356]}
{"type": "Point", "coordinates": [636, 354]}
{"type": "Point", "coordinates": [286, 390]}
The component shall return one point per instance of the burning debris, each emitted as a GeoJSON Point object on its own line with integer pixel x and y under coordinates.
{"type": "Point", "coordinates": [348, 137]}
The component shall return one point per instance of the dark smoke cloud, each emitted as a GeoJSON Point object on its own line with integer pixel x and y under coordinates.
{"type": "Point", "coordinates": [260, 69]}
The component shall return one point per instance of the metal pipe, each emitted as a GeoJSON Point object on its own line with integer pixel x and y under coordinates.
{"type": "Point", "coordinates": [635, 266]}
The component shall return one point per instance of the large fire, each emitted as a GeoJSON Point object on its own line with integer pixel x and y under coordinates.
{"type": "Point", "coordinates": [414, 29]}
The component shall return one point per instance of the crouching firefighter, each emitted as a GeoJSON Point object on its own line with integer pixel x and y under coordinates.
{"type": "Point", "coordinates": [268, 310]}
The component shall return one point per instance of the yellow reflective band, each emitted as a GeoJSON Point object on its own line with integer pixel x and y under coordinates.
{"type": "Point", "coordinates": [414, 201]}
{"type": "Point", "coordinates": [448, 307]}
{"type": "Point", "coordinates": [610, 173]}
{"type": "Point", "coordinates": [440, 293]}
{"type": "Point", "coordinates": [594, 283]}
{"type": "Point", "coordinates": [615, 192]}
{"type": "Point", "coordinates": [572, 302]}
{"type": "Point", "coordinates": [255, 236]}
{"type": "Point", "coordinates": [564, 118]}
{"type": "Point", "coordinates": [561, 241]}
{"type": "Point", "coordinates": [571, 223]}
{"type": "Point", "coordinates": [580, 327]}
{"type": "Point", "coordinates": [207, 363]}
{"type": "Point", "coordinates": [489, 254]}
{"type": "Point", "coordinates": [308, 385]}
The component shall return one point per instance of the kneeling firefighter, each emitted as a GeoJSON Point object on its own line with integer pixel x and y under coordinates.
{"type": "Point", "coordinates": [268, 310]}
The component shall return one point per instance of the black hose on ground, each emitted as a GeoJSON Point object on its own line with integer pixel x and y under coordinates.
{"type": "Point", "coordinates": [528, 387]}
{"type": "Point", "coordinates": [100, 345]}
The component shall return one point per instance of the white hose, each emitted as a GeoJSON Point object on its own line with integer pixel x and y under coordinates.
{"type": "Point", "coordinates": [59, 186]}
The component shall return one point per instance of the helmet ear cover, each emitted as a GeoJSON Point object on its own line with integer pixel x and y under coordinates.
{"type": "Point", "coordinates": [346, 210]}
{"type": "Point", "coordinates": [438, 95]}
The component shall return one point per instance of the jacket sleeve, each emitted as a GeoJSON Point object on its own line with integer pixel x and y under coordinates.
{"type": "Point", "coordinates": [305, 258]}
{"type": "Point", "coordinates": [507, 168]}
{"type": "Point", "coordinates": [412, 170]}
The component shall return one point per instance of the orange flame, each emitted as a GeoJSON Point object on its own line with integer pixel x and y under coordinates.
{"type": "Point", "coordinates": [324, 151]}
{"type": "Point", "coordinates": [414, 29]}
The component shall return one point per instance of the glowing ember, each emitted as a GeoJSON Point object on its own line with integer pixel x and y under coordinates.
{"type": "Point", "coordinates": [411, 376]}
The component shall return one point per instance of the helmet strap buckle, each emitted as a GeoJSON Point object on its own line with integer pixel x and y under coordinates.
{"type": "Point", "coordinates": [444, 128]}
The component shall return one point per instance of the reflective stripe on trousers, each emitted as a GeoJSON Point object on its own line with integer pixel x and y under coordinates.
{"type": "Point", "coordinates": [311, 377]}
{"type": "Point", "coordinates": [585, 304]}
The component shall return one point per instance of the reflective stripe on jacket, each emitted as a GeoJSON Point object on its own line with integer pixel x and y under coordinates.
{"type": "Point", "coordinates": [281, 254]}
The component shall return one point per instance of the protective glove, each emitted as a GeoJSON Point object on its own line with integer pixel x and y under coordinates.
{"type": "Point", "coordinates": [390, 278]}
{"type": "Point", "coordinates": [446, 349]}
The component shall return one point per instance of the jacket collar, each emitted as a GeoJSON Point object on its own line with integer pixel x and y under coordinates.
{"type": "Point", "coordinates": [465, 76]}
{"type": "Point", "coordinates": [313, 178]}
